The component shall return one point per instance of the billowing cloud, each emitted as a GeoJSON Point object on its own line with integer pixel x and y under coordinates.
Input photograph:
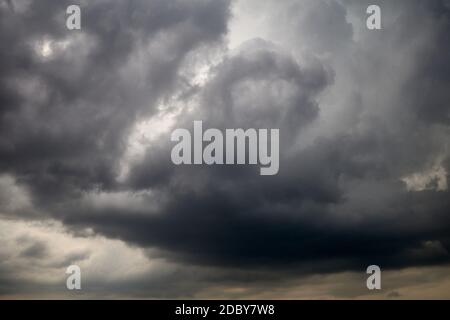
{"type": "Point", "coordinates": [86, 118]}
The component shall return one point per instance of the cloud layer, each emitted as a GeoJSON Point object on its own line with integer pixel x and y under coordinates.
{"type": "Point", "coordinates": [86, 117]}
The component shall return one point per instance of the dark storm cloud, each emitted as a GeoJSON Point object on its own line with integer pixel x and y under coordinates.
{"type": "Point", "coordinates": [258, 86]}
{"type": "Point", "coordinates": [66, 135]}
{"type": "Point", "coordinates": [338, 202]}
{"type": "Point", "coordinates": [333, 202]}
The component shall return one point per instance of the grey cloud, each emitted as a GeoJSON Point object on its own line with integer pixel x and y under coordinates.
{"type": "Point", "coordinates": [258, 86]}
{"type": "Point", "coordinates": [36, 250]}
{"type": "Point", "coordinates": [357, 111]}
{"type": "Point", "coordinates": [316, 188]}
{"type": "Point", "coordinates": [70, 139]}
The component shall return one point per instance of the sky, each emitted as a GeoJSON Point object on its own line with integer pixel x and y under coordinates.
{"type": "Point", "coordinates": [86, 178]}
